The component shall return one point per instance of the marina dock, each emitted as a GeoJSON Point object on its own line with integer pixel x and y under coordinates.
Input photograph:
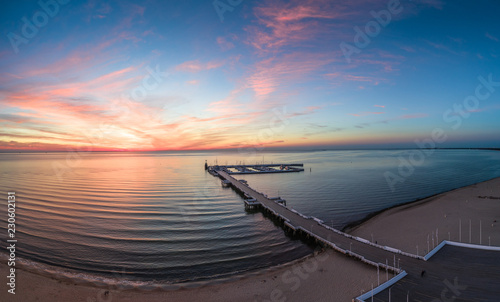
{"type": "Point", "coordinates": [403, 266]}
{"type": "Point", "coordinates": [258, 168]}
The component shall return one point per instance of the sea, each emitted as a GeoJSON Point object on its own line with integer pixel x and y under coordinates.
{"type": "Point", "coordinates": [159, 217]}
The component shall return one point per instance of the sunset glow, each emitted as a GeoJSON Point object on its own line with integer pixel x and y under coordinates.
{"type": "Point", "coordinates": [190, 75]}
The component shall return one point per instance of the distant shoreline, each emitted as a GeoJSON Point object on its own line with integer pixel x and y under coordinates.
{"type": "Point", "coordinates": [5, 151]}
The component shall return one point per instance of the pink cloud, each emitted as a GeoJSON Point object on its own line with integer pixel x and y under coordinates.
{"type": "Point", "coordinates": [273, 73]}
{"type": "Point", "coordinates": [284, 23]}
{"type": "Point", "coordinates": [197, 66]}
{"type": "Point", "coordinates": [372, 80]}
{"type": "Point", "coordinates": [224, 43]}
{"type": "Point", "coordinates": [287, 23]}
{"type": "Point", "coordinates": [112, 76]}
{"type": "Point", "coordinates": [228, 119]}
{"type": "Point", "coordinates": [380, 106]}
{"type": "Point", "coordinates": [228, 105]}
{"type": "Point", "coordinates": [295, 23]}
{"type": "Point", "coordinates": [131, 123]}
{"type": "Point", "coordinates": [306, 111]}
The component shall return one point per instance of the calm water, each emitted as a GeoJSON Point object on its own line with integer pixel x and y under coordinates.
{"type": "Point", "coordinates": [159, 216]}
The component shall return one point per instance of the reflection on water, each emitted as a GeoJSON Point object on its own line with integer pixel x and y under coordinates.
{"type": "Point", "coordinates": [159, 216]}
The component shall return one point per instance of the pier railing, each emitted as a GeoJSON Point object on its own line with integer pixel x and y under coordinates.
{"type": "Point", "coordinates": [381, 287]}
{"type": "Point", "coordinates": [362, 240]}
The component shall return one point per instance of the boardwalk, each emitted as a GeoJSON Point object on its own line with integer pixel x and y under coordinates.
{"type": "Point", "coordinates": [455, 273]}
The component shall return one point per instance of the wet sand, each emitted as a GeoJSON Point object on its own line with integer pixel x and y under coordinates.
{"type": "Point", "coordinates": [326, 276]}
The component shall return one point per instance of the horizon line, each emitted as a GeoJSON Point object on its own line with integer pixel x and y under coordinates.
{"type": "Point", "coordinates": [256, 151]}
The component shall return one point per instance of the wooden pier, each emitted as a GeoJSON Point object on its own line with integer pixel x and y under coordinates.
{"type": "Point", "coordinates": [311, 227]}
{"type": "Point", "coordinates": [384, 258]}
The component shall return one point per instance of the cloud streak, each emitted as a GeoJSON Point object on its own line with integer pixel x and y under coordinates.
{"type": "Point", "coordinates": [197, 66]}
{"type": "Point", "coordinates": [365, 113]}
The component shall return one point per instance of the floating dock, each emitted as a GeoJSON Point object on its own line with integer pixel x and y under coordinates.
{"type": "Point", "coordinates": [256, 169]}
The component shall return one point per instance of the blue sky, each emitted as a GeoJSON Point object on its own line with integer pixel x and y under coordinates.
{"type": "Point", "coordinates": [172, 75]}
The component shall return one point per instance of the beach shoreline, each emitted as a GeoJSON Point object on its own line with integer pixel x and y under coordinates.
{"type": "Point", "coordinates": [352, 226]}
{"type": "Point", "coordinates": [288, 280]}
{"type": "Point", "coordinates": [465, 214]}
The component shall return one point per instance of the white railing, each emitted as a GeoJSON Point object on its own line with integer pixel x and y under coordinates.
{"type": "Point", "coordinates": [460, 244]}
{"type": "Point", "coordinates": [381, 287]}
{"type": "Point", "coordinates": [390, 249]}
{"type": "Point", "coordinates": [346, 252]}
{"type": "Point", "coordinates": [474, 246]}
{"type": "Point", "coordinates": [435, 250]}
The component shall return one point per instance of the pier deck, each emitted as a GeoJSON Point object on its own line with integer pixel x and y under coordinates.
{"type": "Point", "coordinates": [416, 286]}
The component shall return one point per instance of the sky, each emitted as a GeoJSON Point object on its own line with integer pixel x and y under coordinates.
{"type": "Point", "coordinates": [240, 74]}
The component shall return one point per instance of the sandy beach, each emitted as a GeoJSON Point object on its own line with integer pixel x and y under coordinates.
{"type": "Point", "coordinates": [326, 276]}
{"type": "Point", "coordinates": [476, 208]}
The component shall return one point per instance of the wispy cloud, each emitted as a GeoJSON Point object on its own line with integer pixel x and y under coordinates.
{"type": "Point", "coordinates": [365, 113]}
{"type": "Point", "coordinates": [457, 40]}
{"type": "Point", "coordinates": [443, 47]}
{"type": "Point", "coordinates": [491, 37]}
{"type": "Point", "coordinates": [287, 23]}
{"type": "Point", "coordinates": [315, 130]}
{"type": "Point", "coordinates": [412, 116]}
{"type": "Point", "coordinates": [387, 121]}
{"type": "Point", "coordinates": [305, 111]}
{"type": "Point", "coordinates": [437, 4]}
{"type": "Point", "coordinates": [270, 74]}
{"type": "Point", "coordinates": [197, 66]}
{"type": "Point", "coordinates": [408, 49]}
{"type": "Point", "coordinates": [224, 44]}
